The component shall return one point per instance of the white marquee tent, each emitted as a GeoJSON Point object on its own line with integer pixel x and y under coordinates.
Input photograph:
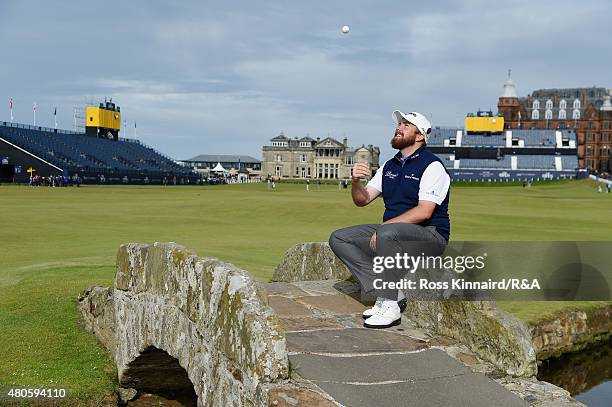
{"type": "Point", "coordinates": [219, 168]}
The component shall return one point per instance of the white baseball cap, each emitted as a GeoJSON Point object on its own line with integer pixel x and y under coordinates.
{"type": "Point", "coordinates": [420, 121]}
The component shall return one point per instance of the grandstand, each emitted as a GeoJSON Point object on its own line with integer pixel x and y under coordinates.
{"type": "Point", "coordinates": [511, 155]}
{"type": "Point", "coordinates": [54, 152]}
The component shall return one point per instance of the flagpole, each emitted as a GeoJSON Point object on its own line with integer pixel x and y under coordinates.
{"type": "Point", "coordinates": [55, 117]}
{"type": "Point", "coordinates": [34, 107]}
{"type": "Point", "coordinates": [11, 104]}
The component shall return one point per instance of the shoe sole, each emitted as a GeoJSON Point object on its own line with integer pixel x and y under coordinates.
{"type": "Point", "coordinates": [402, 306]}
{"type": "Point", "coordinates": [394, 323]}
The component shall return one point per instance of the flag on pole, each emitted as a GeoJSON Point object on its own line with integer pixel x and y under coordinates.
{"type": "Point", "coordinates": [11, 105]}
{"type": "Point", "coordinates": [55, 117]}
{"type": "Point", "coordinates": [34, 109]}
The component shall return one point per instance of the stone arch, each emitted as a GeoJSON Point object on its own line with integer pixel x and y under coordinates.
{"type": "Point", "coordinates": [155, 371]}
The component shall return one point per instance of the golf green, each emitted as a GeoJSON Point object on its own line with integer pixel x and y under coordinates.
{"type": "Point", "coordinates": [57, 241]}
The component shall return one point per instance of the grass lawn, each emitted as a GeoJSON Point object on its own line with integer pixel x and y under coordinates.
{"type": "Point", "coordinates": [57, 241]}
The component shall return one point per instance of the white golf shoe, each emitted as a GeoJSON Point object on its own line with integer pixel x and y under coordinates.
{"type": "Point", "coordinates": [371, 311]}
{"type": "Point", "coordinates": [379, 300]}
{"type": "Point", "coordinates": [387, 315]}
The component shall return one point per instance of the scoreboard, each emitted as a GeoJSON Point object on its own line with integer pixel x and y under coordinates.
{"type": "Point", "coordinates": [103, 121]}
{"type": "Point", "coordinates": [484, 122]}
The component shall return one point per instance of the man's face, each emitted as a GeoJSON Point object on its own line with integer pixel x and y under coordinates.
{"type": "Point", "coordinates": [405, 135]}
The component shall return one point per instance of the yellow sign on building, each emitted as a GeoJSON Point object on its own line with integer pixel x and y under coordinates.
{"type": "Point", "coordinates": [484, 122]}
{"type": "Point", "coordinates": [103, 118]}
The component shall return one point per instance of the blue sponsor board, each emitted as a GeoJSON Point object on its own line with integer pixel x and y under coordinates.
{"type": "Point", "coordinates": [509, 175]}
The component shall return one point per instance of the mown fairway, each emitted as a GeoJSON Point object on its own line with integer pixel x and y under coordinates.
{"type": "Point", "coordinates": [57, 241]}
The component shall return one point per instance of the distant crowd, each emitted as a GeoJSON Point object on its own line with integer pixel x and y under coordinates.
{"type": "Point", "coordinates": [55, 181]}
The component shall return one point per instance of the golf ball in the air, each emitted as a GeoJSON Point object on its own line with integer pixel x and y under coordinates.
{"type": "Point", "coordinates": [345, 29]}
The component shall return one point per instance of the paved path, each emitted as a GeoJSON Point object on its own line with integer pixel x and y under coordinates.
{"type": "Point", "coordinates": [354, 366]}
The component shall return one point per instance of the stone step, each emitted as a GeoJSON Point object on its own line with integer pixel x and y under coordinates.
{"type": "Point", "coordinates": [426, 378]}
{"type": "Point", "coordinates": [473, 390]}
{"type": "Point", "coordinates": [427, 364]}
{"type": "Point", "coordinates": [351, 341]}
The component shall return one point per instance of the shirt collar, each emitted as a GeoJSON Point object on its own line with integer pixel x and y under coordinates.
{"type": "Point", "coordinates": [412, 156]}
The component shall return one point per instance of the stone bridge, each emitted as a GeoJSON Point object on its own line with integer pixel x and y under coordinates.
{"type": "Point", "coordinates": [176, 324]}
{"type": "Point", "coordinates": [204, 332]}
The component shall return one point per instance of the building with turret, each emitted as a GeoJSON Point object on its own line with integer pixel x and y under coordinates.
{"type": "Point", "coordinates": [301, 158]}
{"type": "Point", "coordinates": [587, 111]}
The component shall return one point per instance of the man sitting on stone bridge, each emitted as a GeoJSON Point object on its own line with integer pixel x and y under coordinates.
{"type": "Point", "coordinates": [415, 187]}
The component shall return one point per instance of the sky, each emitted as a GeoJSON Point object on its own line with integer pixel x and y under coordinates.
{"type": "Point", "coordinates": [204, 77]}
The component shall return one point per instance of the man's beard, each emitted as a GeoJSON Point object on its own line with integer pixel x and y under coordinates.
{"type": "Point", "coordinates": [402, 142]}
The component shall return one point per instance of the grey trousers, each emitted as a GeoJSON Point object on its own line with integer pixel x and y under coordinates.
{"type": "Point", "coordinates": [352, 246]}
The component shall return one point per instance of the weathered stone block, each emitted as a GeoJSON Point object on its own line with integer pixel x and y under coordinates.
{"type": "Point", "coordinates": [310, 261]}
{"type": "Point", "coordinates": [495, 336]}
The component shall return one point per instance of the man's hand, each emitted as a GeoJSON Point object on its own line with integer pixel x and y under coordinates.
{"type": "Point", "coordinates": [361, 170]}
{"type": "Point", "coordinates": [373, 242]}
{"type": "Point", "coordinates": [362, 196]}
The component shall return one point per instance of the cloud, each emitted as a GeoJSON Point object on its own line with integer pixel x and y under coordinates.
{"type": "Point", "coordinates": [202, 77]}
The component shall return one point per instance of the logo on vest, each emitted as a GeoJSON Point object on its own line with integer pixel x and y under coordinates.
{"type": "Point", "coordinates": [390, 175]}
{"type": "Point", "coordinates": [411, 176]}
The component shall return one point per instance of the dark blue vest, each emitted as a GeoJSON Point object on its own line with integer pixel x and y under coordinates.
{"type": "Point", "coordinates": [400, 188]}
